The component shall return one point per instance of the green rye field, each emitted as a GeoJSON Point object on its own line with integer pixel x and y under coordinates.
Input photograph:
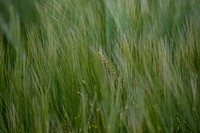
{"type": "Point", "coordinates": [100, 66]}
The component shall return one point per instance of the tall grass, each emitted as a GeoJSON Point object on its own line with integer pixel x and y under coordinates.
{"type": "Point", "coordinates": [101, 66]}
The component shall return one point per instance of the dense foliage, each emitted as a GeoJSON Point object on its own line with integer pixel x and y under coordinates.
{"type": "Point", "coordinates": [99, 66]}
